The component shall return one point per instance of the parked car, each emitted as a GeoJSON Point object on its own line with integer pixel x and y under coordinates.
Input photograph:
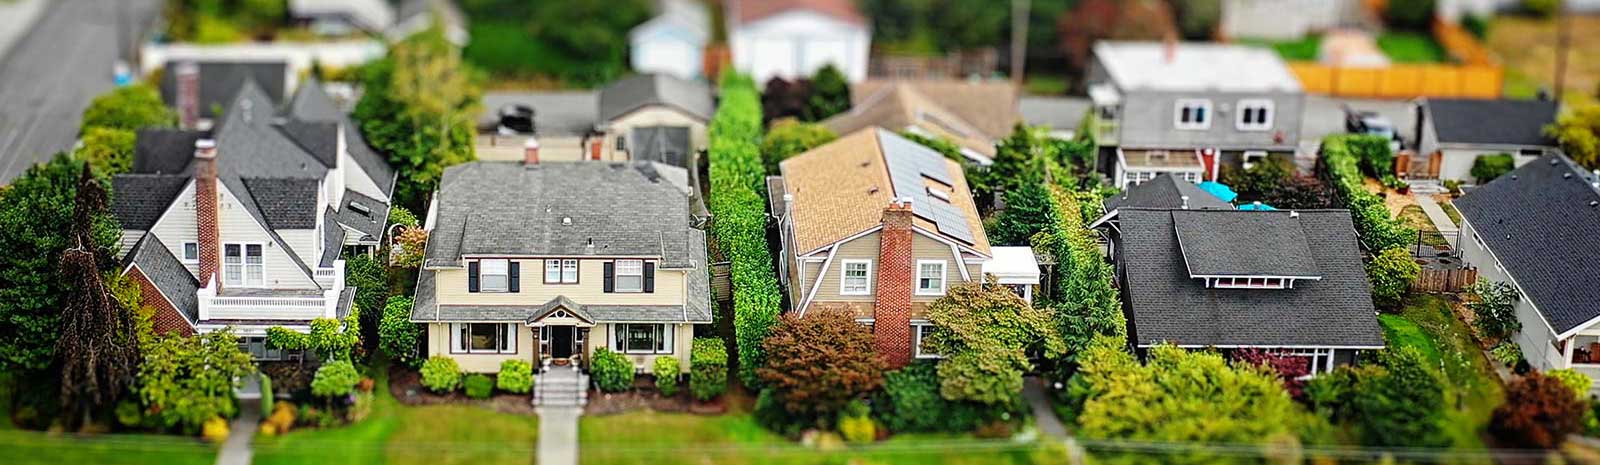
{"type": "Point", "coordinates": [1372, 124]}
{"type": "Point", "coordinates": [516, 118]}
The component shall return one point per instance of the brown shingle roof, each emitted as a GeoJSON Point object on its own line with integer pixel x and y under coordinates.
{"type": "Point", "coordinates": [841, 189]}
{"type": "Point", "coordinates": [990, 106]}
{"type": "Point", "coordinates": [899, 106]}
{"type": "Point", "coordinates": [756, 10]}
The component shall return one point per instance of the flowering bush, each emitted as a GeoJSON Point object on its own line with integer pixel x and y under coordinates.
{"type": "Point", "coordinates": [409, 246]}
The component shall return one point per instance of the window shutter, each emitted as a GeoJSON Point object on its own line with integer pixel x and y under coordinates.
{"type": "Point", "coordinates": [610, 271]}
{"type": "Point", "coordinates": [472, 276]}
{"type": "Point", "coordinates": [649, 277]}
{"type": "Point", "coordinates": [514, 277]}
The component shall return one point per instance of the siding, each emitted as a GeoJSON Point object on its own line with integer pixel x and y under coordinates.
{"type": "Point", "coordinates": [439, 344]}
{"type": "Point", "coordinates": [235, 225]}
{"type": "Point", "coordinates": [1457, 163]}
{"type": "Point", "coordinates": [452, 288]}
{"type": "Point", "coordinates": [653, 115]}
{"type": "Point", "coordinates": [788, 45]}
{"type": "Point", "coordinates": [129, 238]}
{"type": "Point", "coordinates": [177, 226]}
{"type": "Point", "coordinates": [358, 180]}
{"type": "Point", "coordinates": [1147, 119]}
{"type": "Point", "coordinates": [304, 243]}
{"type": "Point", "coordinates": [1535, 337]}
{"type": "Point", "coordinates": [866, 248]}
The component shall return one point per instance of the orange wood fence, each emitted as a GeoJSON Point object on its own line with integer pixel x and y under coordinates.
{"type": "Point", "coordinates": [1444, 280]}
{"type": "Point", "coordinates": [1401, 81]}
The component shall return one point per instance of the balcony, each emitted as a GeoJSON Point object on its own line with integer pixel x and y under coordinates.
{"type": "Point", "coordinates": [262, 304]}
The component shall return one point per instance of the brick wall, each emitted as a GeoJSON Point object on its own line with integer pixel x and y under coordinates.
{"type": "Point", "coordinates": [891, 327]}
{"type": "Point", "coordinates": [205, 210]}
{"type": "Point", "coordinates": [167, 318]}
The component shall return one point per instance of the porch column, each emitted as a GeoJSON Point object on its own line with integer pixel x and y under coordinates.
{"type": "Point", "coordinates": [1566, 356]}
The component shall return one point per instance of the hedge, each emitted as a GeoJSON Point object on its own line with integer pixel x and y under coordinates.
{"type": "Point", "coordinates": [738, 209]}
{"type": "Point", "coordinates": [1341, 167]}
{"type": "Point", "coordinates": [708, 368]}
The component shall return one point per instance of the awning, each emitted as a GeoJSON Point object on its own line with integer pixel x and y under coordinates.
{"type": "Point", "coordinates": [1219, 190]}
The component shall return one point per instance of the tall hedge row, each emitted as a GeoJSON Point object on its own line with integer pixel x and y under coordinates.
{"type": "Point", "coordinates": [1085, 300]}
{"type": "Point", "coordinates": [1341, 166]}
{"type": "Point", "coordinates": [739, 220]}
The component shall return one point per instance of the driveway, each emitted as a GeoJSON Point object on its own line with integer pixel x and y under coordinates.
{"type": "Point", "coordinates": [51, 73]}
{"type": "Point", "coordinates": [1323, 116]}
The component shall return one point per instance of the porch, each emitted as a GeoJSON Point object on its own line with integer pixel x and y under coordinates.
{"type": "Point", "coordinates": [1583, 355]}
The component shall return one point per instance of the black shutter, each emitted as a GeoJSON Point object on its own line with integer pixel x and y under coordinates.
{"type": "Point", "coordinates": [472, 276]}
{"type": "Point", "coordinates": [514, 280]}
{"type": "Point", "coordinates": [649, 277]}
{"type": "Point", "coordinates": [610, 277]}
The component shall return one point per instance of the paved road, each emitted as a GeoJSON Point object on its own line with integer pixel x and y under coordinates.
{"type": "Point", "coordinates": [50, 75]}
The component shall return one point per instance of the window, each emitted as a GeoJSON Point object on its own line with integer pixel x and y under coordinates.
{"type": "Point", "coordinates": [494, 275]}
{"type": "Point", "coordinates": [1254, 115]}
{"type": "Point", "coordinates": [242, 265]}
{"type": "Point", "coordinates": [920, 333]}
{"type": "Point", "coordinates": [256, 346]}
{"type": "Point", "coordinates": [1320, 360]}
{"type": "Point", "coordinates": [622, 143]}
{"type": "Point", "coordinates": [855, 278]}
{"type": "Point", "coordinates": [635, 338]}
{"type": "Point", "coordinates": [560, 271]}
{"type": "Point", "coordinates": [630, 276]}
{"type": "Point", "coordinates": [483, 338]}
{"type": "Point", "coordinates": [1249, 283]}
{"type": "Point", "coordinates": [930, 277]}
{"type": "Point", "coordinates": [1252, 157]}
{"type": "Point", "coordinates": [1192, 114]}
{"type": "Point", "coordinates": [191, 252]}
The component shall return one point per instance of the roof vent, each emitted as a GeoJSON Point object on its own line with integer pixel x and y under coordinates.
{"type": "Point", "coordinates": [362, 209]}
{"type": "Point", "coordinates": [566, 221]}
{"type": "Point", "coordinates": [872, 190]}
{"type": "Point", "coordinates": [1553, 162]}
{"type": "Point", "coordinates": [1294, 214]}
{"type": "Point", "coordinates": [1185, 202]}
{"type": "Point", "coordinates": [1513, 177]}
{"type": "Point", "coordinates": [866, 163]}
{"type": "Point", "coordinates": [1594, 202]}
{"type": "Point", "coordinates": [1566, 175]}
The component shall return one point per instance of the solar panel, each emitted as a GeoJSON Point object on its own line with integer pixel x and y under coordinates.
{"type": "Point", "coordinates": [909, 163]}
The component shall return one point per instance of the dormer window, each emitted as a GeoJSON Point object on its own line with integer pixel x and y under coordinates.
{"type": "Point", "coordinates": [1250, 282]}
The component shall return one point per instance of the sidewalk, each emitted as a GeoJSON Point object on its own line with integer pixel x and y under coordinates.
{"type": "Point", "coordinates": [236, 450]}
{"type": "Point", "coordinates": [1044, 416]}
{"type": "Point", "coordinates": [558, 435]}
{"type": "Point", "coordinates": [1436, 214]}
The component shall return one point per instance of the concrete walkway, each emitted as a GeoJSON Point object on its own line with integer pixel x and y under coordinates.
{"type": "Point", "coordinates": [1436, 214]}
{"type": "Point", "coordinates": [558, 435]}
{"type": "Point", "coordinates": [236, 450]}
{"type": "Point", "coordinates": [1033, 389]}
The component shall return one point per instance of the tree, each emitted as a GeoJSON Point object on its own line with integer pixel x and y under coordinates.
{"type": "Point", "coordinates": [397, 335]}
{"type": "Point", "coordinates": [419, 108]}
{"type": "Point", "coordinates": [985, 333]}
{"type": "Point", "coordinates": [1392, 272]}
{"type": "Point", "coordinates": [1028, 211]}
{"type": "Point", "coordinates": [818, 363]}
{"type": "Point", "coordinates": [1539, 412]}
{"type": "Point", "coordinates": [1494, 306]}
{"type": "Point", "coordinates": [1414, 15]}
{"type": "Point", "coordinates": [1273, 182]}
{"type": "Point", "coordinates": [782, 99]}
{"type": "Point", "coordinates": [1198, 19]}
{"type": "Point", "coordinates": [330, 339]}
{"type": "Point", "coordinates": [1095, 20]}
{"type": "Point", "coordinates": [1402, 405]}
{"type": "Point", "coordinates": [830, 94]}
{"type": "Point", "coordinates": [788, 137]}
{"type": "Point", "coordinates": [108, 150]}
{"type": "Point", "coordinates": [367, 276]}
{"type": "Point", "coordinates": [36, 224]}
{"type": "Point", "coordinates": [590, 38]}
{"type": "Point", "coordinates": [98, 351]}
{"type": "Point", "coordinates": [1086, 303]}
{"type": "Point", "coordinates": [335, 378]}
{"type": "Point", "coordinates": [129, 108]}
{"type": "Point", "coordinates": [1486, 168]}
{"type": "Point", "coordinates": [185, 381]}
{"type": "Point", "coordinates": [1578, 131]}
{"type": "Point", "coordinates": [1291, 370]}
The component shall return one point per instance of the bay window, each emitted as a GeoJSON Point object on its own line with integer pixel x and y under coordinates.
{"type": "Point", "coordinates": [642, 338]}
{"type": "Point", "coordinates": [483, 338]}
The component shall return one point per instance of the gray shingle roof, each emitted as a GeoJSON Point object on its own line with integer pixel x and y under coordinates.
{"type": "Point", "coordinates": [311, 103]}
{"type": "Point", "coordinates": [332, 238]}
{"type": "Point", "coordinates": [164, 151]}
{"type": "Point", "coordinates": [1165, 305]}
{"type": "Point", "coordinates": [1225, 243]}
{"type": "Point", "coordinates": [1501, 122]}
{"type": "Point", "coordinates": [167, 274]}
{"type": "Point", "coordinates": [319, 139]}
{"type": "Point", "coordinates": [286, 203]}
{"type": "Point", "coordinates": [634, 92]}
{"type": "Point", "coordinates": [221, 80]}
{"type": "Point", "coordinates": [370, 224]}
{"type": "Point", "coordinates": [1165, 191]}
{"type": "Point", "coordinates": [138, 200]}
{"type": "Point", "coordinates": [1542, 221]}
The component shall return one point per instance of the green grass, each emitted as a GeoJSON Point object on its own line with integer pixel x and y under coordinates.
{"type": "Point", "coordinates": [1411, 47]}
{"type": "Point", "coordinates": [1427, 323]}
{"type": "Point", "coordinates": [24, 447]}
{"type": "Point", "coordinates": [683, 439]}
{"type": "Point", "coordinates": [399, 435]}
{"type": "Point", "coordinates": [1046, 84]}
{"type": "Point", "coordinates": [1304, 49]}
{"type": "Point", "coordinates": [1450, 211]}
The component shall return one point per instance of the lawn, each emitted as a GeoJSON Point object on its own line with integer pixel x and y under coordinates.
{"type": "Point", "coordinates": [735, 438]}
{"type": "Point", "coordinates": [24, 447]}
{"type": "Point", "coordinates": [1304, 49]}
{"type": "Point", "coordinates": [1527, 47]}
{"type": "Point", "coordinates": [400, 435]}
{"type": "Point", "coordinates": [1410, 47]}
{"type": "Point", "coordinates": [1427, 323]}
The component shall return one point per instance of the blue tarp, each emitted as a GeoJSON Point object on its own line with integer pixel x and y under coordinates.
{"type": "Point", "coordinates": [1256, 206]}
{"type": "Point", "coordinates": [1220, 190]}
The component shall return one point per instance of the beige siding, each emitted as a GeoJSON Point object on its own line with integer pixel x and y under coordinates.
{"type": "Point", "coordinates": [452, 288]}
{"type": "Point", "coordinates": [552, 148]}
{"type": "Point", "coordinates": [439, 344]}
{"type": "Point", "coordinates": [651, 116]}
{"type": "Point", "coordinates": [238, 226]}
{"type": "Point", "coordinates": [682, 340]}
{"type": "Point", "coordinates": [304, 243]}
{"type": "Point", "coordinates": [130, 237]}
{"type": "Point", "coordinates": [866, 248]}
{"type": "Point", "coordinates": [177, 226]}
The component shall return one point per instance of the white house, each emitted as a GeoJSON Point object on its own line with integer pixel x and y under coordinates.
{"type": "Point", "coordinates": [673, 42]}
{"type": "Point", "coordinates": [1456, 132]}
{"type": "Point", "coordinates": [794, 38]}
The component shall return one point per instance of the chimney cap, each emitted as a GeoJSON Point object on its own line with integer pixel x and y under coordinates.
{"type": "Point", "coordinates": [531, 143]}
{"type": "Point", "coordinates": [205, 144]}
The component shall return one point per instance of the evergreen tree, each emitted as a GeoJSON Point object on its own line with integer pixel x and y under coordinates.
{"type": "Point", "coordinates": [830, 94]}
{"type": "Point", "coordinates": [97, 351]}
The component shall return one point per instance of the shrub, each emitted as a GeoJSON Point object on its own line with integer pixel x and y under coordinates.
{"type": "Point", "coordinates": [1541, 8]}
{"type": "Point", "coordinates": [1494, 305]}
{"type": "Point", "coordinates": [818, 363]}
{"type": "Point", "coordinates": [1487, 167]}
{"type": "Point", "coordinates": [282, 417]}
{"type": "Point", "coordinates": [412, 243]}
{"type": "Point", "coordinates": [399, 215]}
{"type": "Point", "coordinates": [108, 150]}
{"type": "Point", "coordinates": [397, 335]}
{"type": "Point", "coordinates": [371, 281]}
{"type": "Point", "coordinates": [1477, 25]}
{"type": "Point", "coordinates": [478, 386]}
{"type": "Point", "coordinates": [611, 371]}
{"type": "Point", "coordinates": [330, 339]}
{"type": "Point", "coordinates": [1391, 272]}
{"type": "Point", "coordinates": [737, 204]}
{"type": "Point", "coordinates": [336, 378]}
{"type": "Point", "coordinates": [185, 381]}
{"type": "Point", "coordinates": [1578, 382]}
{"type": "Point", "coordinates": [1539, 412]}
{"type": "Point", "coordinates": [441, 374]}
{"type": "Point", "coordinates": [985, 333]}
{"type": "Point", "coordinates": [129, 108]}
{"type": "Point", "coordinates": [910, 402]}
{"type": "Point", "coordinates": [708, 368]}
{"type": "Point", "coordinates": [214, 430]}
{"type": "Point", "coordinates": [1402, 405]}
{"type": "Point", "coordinates": [1291, 370]}
{"type": "Point", "coordinates": [516, 377]}
{"type": "Point", "coordinates": [856, 424]}
{"type": "Point", "coordinates": [788, 137]}
{"type": "Point", "coordinates": [1409, 14]}
{"type": "Point", "coordinates": [1507, 352]}
{"type": "Point", "coordinates": [666, 371]}
{"type": "Point", "coordinates": [1340, 166]}
{"type": "Point", "coordinates": [128, 413]}
{"type": "Point", "coordinates": [266, 393]}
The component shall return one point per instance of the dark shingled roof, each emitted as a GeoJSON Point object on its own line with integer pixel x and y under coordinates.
{"type": "Point", "coordinates": [311, 103]}
{"type": "Point", "coordinates": [1165, 191]}
{"type": "Point", "coordinates": [1542, 221]}
{"type": "Point", "coordinates": [332, 239]}
{"type": "Point", "coordinates": [1166, 305]}
{"type": "Point", "coordinates": [164, 151]}
{"type": "Point", "coordinates": [286, 203]}
{"type": "Point", "coordinates": [167, 274]}
{"type": "Point", "coordinates": [370, 224]}
{"type": "Point", "coordinates": [320, 139]}
{"type": "Point", "coordinates": [1499, 122]}
{"type": "Point", "coordinates": [138, 200]}
{"type": "Point", "coordinates": [635, 92]}
{"type": "Point", "coordinates": [1225, 243]}
{"type": "Point", "coordinates": [221, 80]}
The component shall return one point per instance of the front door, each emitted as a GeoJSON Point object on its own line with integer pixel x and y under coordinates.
{"type": "Point", "coordinates": [561, 342]}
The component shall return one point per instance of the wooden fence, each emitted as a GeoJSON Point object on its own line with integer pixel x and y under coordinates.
{"type": "Point", "coordinates": [1451, 280]}
{"type": "Point", "coordinates": [1401, 81]}
{"type": "Point", "coordinates": [722, 281]}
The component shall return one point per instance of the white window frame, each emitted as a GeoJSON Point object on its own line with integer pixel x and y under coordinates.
{"type": "Point", "coordinates": [845, 287]}
{"type": "Point", "coordinates": [617, 274]}
{"type": "Point", "coordinates": [484, 268]}
{"type": "Point", "coordinates": [1322, 359]}
{"type": "Point", "coordinates": [569, 271]}
{"type": "Point", "coordinates": [552, 269]}
{"type": "Point", "coordinates": [560, 271]}
{"type": "Point", "coordinates": [916, 341]}
{"type": "Point", "coordinates": [664, 333]}
{"type": "Point", "coordinates": [185, 252]}
{"type": "Point", "coordinates": [1265, 105]}
{"type": "Point", "coordinates": [1251, 157]}
{"type": "Point", "coordinates": [1207, 114]}
{"type": "Point", "coordinates": [1251, 282]}
{"type": "Point", "coordinates": [944, 273]}
{"type": "Point", "coordinates": [507, 335]}
{"type": "Point", "coordinates": [241, 278]}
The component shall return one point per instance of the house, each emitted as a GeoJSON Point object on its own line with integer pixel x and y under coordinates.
{"type": "Point", "coordinates": [792, 39]}
{"type": "Point", "coordinates": [339, 18]}
{"type": "Point", "coordinates": [609, 251]}
{"type": "Point", "coordinates": [880, 226]}
{"type": "Point", "coordinates": [1210, 276]}
{"type": "Point", "coordinates": [1535, 228]}
{"type": "Point", "coordinates": [197, 90]}
{"type": "Point", "coordinates": [973, 115]}
{"type": "Point", "coordinates": [1267, 19]}
{"type": "Point", "coordinates": [673, 42]}
{"type": "Point", "coordinates": [655, 117]}
{"type": "Point", "coordinates": [1455, 132]}
{"type": "Point", "coordinates": [1061, 115]}
{"type": "Point", "coordinates": [243, 225]}
{"type": "Point", "coordinates": [1190, 109]}
{"type": "Point", "coordinates": [563, 121]}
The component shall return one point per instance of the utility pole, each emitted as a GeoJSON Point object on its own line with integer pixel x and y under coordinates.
{"type": "Point", "coordinates": [1019, 39]}
{"type": "Point", "coordinates": [1563, 43]}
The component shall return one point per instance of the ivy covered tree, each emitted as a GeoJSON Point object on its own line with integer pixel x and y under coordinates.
{"type": "Point", "coordinates": [397, 335]}
{"type": "Point", "coordinates": [372, 292]}
{"type": "Point", "coordinates": [830, 94]}
{"type": "Point", "coordinates": [1029, 210]}
{"type": "Point", "coordinates": [818, 363]}
{"type": "Point", "coordinates": [330, 339]}
{"type": "Point", "coordinates": [789, 137]}
{"type": "Point", "coordinates": [186, 381]}
{"type": "Point", "coordinates": [1578, 131]}
{"type": "Point", "coordinates": [985, 333]}
{"type": "Point", "coordinates": [1085, 301]}
{"type": "Point", "coordinates": [1392, 272]}
{"type": "Point", "coordinates": [108, 150]}
{"type": "Point", "coordinates": [97, 352]}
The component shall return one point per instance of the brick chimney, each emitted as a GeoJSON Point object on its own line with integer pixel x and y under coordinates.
{"type": "Point", "coordinates": [891, 312]}
{"type": "Point", "coordinates": [187, 76]}
{"type": "Point", "coordinates": [530, 152]}
{"type": "Point", "coordinates": [205, 211]}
